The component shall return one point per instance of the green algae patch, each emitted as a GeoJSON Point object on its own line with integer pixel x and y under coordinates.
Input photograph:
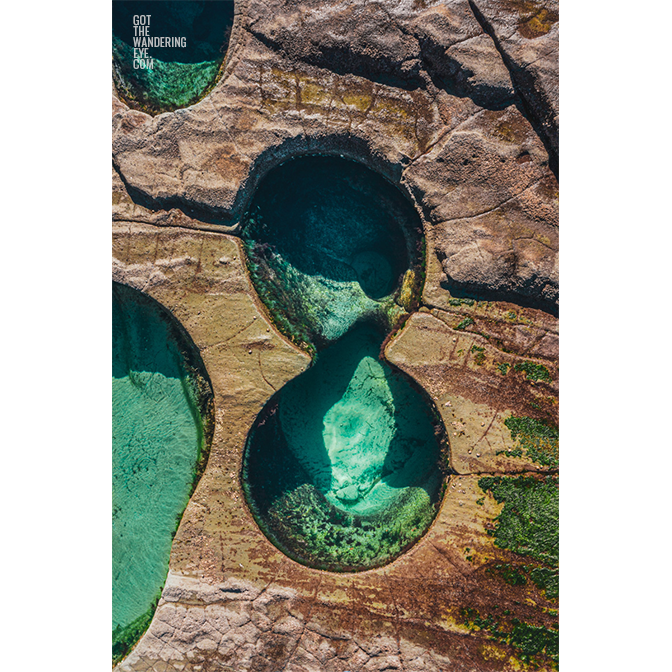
{"type": "Point", "coordinates": [329, 243]}
{"type": "Point", "coordinates": [511, 574]}
{"type": "Point", "coordinates": [534, 645]}
{"type": "Point", "coordinates": [161, 427]}
{"type": "Point", "coordinates": [342, 468]}
{"type": "Point", "coordinates": [168, 54]}
{"type": "Point", "coordinates": [528, 524]}
{"type": "Point", "coordinates": [462, 302]}
{"type": "Point", "coordinates": [539, 440]}
{"type": "Point", "coordinates": [547, 580]}
{"type": "Point", "coordinates": [479, 354]}
{"type": "Point", "coordinates": [466, 322]}
{"type": "Point", "coordinates": [533, 371]}
{"type": "Point", "coordinates": [534, 642]}
{"type": "Point", "coordinates": [503, 368]}
{"type": "Point", "coordinates": [544, 578]}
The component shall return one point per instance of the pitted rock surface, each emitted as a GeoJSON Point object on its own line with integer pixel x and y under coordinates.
{"type": "Point", "coordinates": [238, 626]}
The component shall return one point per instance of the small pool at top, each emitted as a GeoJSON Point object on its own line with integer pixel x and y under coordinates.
{"type": "Point", "coordinates": [167, 54]}
{"type": "Point", "coordinates": [331, 243]}
{"type": "Point", "coordinates": [161, 406]}
{"type": "Point", "coordinates": [343, 468]}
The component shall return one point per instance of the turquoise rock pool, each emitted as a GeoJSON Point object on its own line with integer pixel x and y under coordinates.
{"type": "Point", "coordinates": [343, 467]}
{"type": "Point", "coordinates": [183, 67]}
{"type": "Point", "coordinates": [161, 404]}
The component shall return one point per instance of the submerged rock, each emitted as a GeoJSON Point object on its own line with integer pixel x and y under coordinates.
{"type": "Point", "coordinates": [328, 243]}
{"type": "Point", "coordinates": [342, 469]}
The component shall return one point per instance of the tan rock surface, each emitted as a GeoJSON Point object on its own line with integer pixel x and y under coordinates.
{"type": "Point", "coordinates": [472, 395]}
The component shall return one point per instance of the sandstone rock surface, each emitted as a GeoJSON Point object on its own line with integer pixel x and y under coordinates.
{"type": "Point", "coordinates": [526, 34]}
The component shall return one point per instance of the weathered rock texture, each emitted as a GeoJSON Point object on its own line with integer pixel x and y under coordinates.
{"type": "Point", "coordinates": [418, 91]}
{"type": "Point", "coordinates": [455, 102]}
{"type": "Point", "coordinates": [526, 35]}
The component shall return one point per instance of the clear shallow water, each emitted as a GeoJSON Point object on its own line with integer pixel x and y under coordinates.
{"type": "Point", "coordinates": [329, 242]}
{"type": "Point", "coordinates": [342, 468]}
{"type": "Point", "coordinates": [181, 76]}
{"type": "Point", "coordinates": [157, 440]}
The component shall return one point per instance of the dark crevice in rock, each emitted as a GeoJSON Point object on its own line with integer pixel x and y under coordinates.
{"type": "Point", "coordinates": [194, 209]}
{"type": "Point", "coordinates": [341, 60]}
{"type": "Point", "coordinates": [464, 291]}
{"type": "Point", "coordinates": [535, 107]}
{"type": "Point", "coordinates": [429, 66]}
{"type": "Point", "coordinates": [452, 76]}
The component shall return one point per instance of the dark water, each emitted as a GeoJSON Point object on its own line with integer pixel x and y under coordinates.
{"type": "Point", "coordinates": [157, 439]}
{"type": "Point", "coordinates": [180, 75]}
{"type": "Point", "coordinates": [342, 467]}
{"type": "Point", "coordinates": [329, 243]}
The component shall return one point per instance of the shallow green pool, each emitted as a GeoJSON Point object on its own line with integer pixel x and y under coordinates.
{"type": "Point", "coordinates": [157, 440]}
{"type": "Point", "coordinates": [341, 467]}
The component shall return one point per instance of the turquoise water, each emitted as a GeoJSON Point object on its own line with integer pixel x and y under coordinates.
{"type": "Point", "coordinates": [157, 440]}
{"type": "Point", "coordinates": [328, 243]}
{"type": "Point", "coordinates": [180, 75]}
{"type": "Point", "coordinates": [341, 467]}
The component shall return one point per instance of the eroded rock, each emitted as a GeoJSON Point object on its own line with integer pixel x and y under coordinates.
{"type": "Point", "coordinates": [456, 137]}
{"type": "Point", "coordinates": [526, 34]}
